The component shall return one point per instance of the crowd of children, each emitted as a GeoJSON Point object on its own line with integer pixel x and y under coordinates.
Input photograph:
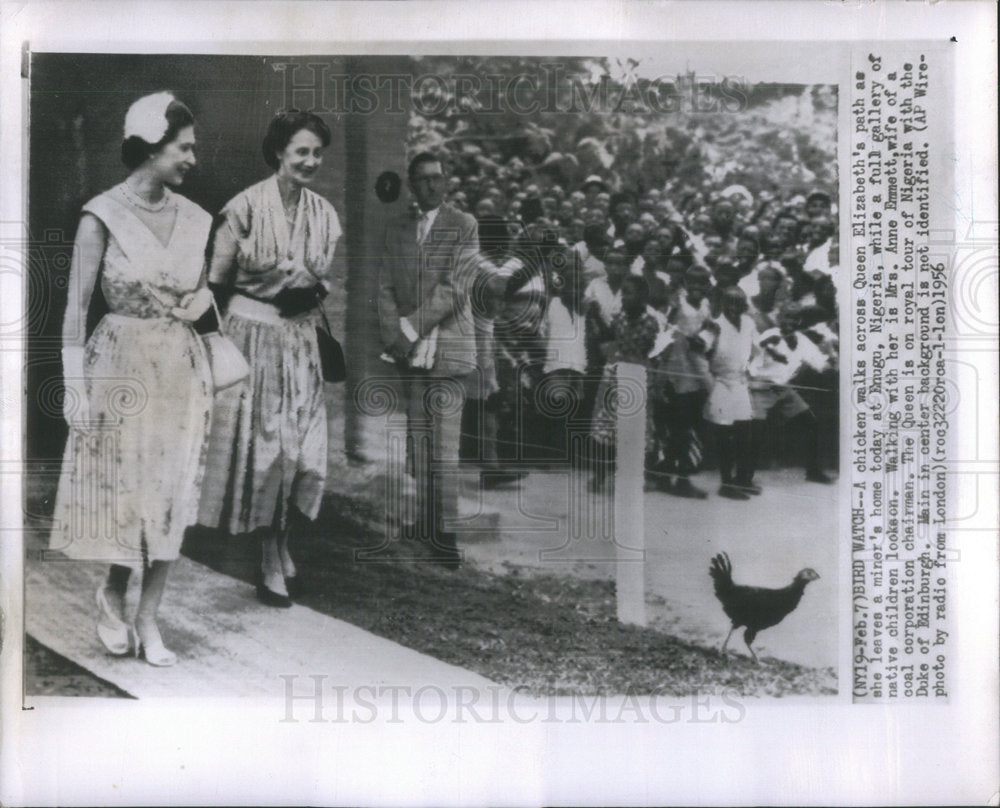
{"type": "Point", "coordinates": [726, 297]}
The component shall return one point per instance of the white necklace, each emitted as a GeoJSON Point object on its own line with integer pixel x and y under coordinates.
{"type": "Point", "coordinates": [144, 204]}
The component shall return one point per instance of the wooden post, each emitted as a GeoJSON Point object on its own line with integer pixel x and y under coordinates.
{"type": "Point", "coordinates": [629, 538]}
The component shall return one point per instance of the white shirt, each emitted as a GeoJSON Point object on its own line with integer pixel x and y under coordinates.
{"type": "Point", "coordinates": [818, 259]}
{"type": "Point", "coordinates": [608, 303]}
{"type": "Point", "coordinates": [592, 268]}
{"type": "Point", "coordinates": [688, 319]}
{"type": "Point", "coordinates": [425, 223]}
{"type": "Point", "coordinates": [423, 352]}
{"type": "Point", "coordinates": [733, 348]}
{"type": "Point", "coordinates": [564, 343]}
{"type": "Point", "coordinates": [750, 284]}
{"type": "Point", "coordinates": [768, 368]}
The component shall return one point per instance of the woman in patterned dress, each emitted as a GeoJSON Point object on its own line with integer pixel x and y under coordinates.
{"type": "Point", "coordinates": [273, 253]}
{"type": "Point", "coordinates": [139, 391]}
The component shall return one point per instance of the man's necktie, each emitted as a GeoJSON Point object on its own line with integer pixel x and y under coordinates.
{"type": "Point", "coordinates": [422, 228]}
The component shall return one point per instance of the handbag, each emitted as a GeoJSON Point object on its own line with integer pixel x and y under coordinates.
{"type": "Point", "coordinates": [331, 355]}
{"type": "Point", "coordinates": [229, 366]}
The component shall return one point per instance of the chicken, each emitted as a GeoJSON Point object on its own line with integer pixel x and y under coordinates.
{"type": "Point", "coordinates": [753, 606]}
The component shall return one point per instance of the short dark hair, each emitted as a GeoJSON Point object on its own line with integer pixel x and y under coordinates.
{"type": "Point", "coordinates": [595, 235]}
{"type": "Point", "coordinates": [421, 158]}
{"type": "Point", "coordinates": [616, 251]}
{"type": "Point", "coordinates": [284, 126]}
{"type": "Point", "coordinates": [136, 151]}
{"type": "Point", "coordinates": [734, 291]}
{"type": "Point", "coordinates": [640, 284]}
{"type": "Point", "coordinates": [696, 273]}
{"type": "Point", "coordinates": [494, 233]}
{"type": "Point", "coordinates": [620, 197]}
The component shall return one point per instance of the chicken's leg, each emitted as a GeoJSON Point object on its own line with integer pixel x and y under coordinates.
{"type": "Point", "coordinates": [730, 634]}
{"type": "Point", "coordinates": [748, 637]}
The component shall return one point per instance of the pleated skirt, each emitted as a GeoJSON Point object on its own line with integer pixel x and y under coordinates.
{"type": "Point", "coordinates": [268, 447]}
{"type": "Point", "coordinates": [131, 475]}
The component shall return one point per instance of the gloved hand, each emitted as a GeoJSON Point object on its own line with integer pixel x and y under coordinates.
{"type": "Point", "coordinates": [76, 405]}
{"type": "Point", "coordinates": [291, 302]}
{"type": "Point", "coordinates": [193, 305]}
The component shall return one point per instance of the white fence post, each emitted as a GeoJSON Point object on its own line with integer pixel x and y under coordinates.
{"type": "Point", "coordinates": [629, 538]}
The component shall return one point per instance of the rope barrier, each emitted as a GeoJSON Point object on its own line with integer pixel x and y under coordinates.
{"type": "Point", "coordinates": [751, 380]}
{"type": "Point", "coordinates": [649, 472]}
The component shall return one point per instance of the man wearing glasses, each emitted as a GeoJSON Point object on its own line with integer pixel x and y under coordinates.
{"type": "Point", "coordinates": [428, 266]}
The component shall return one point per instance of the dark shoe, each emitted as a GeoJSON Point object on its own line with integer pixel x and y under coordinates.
{"type": "Point", "coordinates": [749, 488]}
{"type": "Point", "coordinates": [490, 480]}
{"type": "Point", "coordinates": [818, 476]}
{"type": "Point", "coordinates": [685, 488]}
{"type": "Point", "coordinates": [271, 598]}
{"type": "Point", "coordinates": [294, 587]}
{"type": "Point", "coordinates": [730, 491]}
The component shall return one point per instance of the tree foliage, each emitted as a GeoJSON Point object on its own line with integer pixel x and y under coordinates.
{"type": "Point", "coordinates": [577, 116]}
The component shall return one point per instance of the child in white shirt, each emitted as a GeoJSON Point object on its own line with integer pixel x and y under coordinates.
{"type": "Point", "coordinates": [730, 340]}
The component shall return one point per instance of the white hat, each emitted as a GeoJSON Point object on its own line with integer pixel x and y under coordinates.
{"type": "Point", "coordinates": [737, 190]}
{"type": "Point", "coordinates": [147, 117]}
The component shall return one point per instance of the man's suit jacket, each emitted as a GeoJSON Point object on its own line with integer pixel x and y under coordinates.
{"type": "Point", "coordinates": [429, 284]}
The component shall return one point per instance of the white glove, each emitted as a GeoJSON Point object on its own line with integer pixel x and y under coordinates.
{"type": "Point", "coordinates": [193, 305]}
{"type": "Point", "coordinates": [424, 350]}
{"type": "Point", "coordinates": [408, 330]}
{"type": "Point", "coordinates": [76, 405]}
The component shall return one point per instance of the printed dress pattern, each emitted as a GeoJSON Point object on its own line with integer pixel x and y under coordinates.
{"type": "Point", "coordinates": [131, 475]}
{"type": "Point", "coordinates": [268, 446]}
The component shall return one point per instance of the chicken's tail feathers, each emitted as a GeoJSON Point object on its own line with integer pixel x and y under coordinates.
{"type": "Point", "coordinates": [721, 570]}
{"type": "Point", "coordinates": [721, 564]}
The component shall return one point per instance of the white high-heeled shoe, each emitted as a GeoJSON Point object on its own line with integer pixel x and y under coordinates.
{"type": "Point", "coordinates": [153, 650]}
{"type": "Point", "coordinates": [112, 631]}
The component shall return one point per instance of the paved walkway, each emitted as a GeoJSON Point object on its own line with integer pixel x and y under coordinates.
{"type": "Point", "coordinates": [227, 643]}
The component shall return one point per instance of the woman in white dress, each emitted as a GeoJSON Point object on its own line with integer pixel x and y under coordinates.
{"type": "Point", "coordinates": [139, 391]}
{"type": "Point", "coordinates": [272, 258]}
